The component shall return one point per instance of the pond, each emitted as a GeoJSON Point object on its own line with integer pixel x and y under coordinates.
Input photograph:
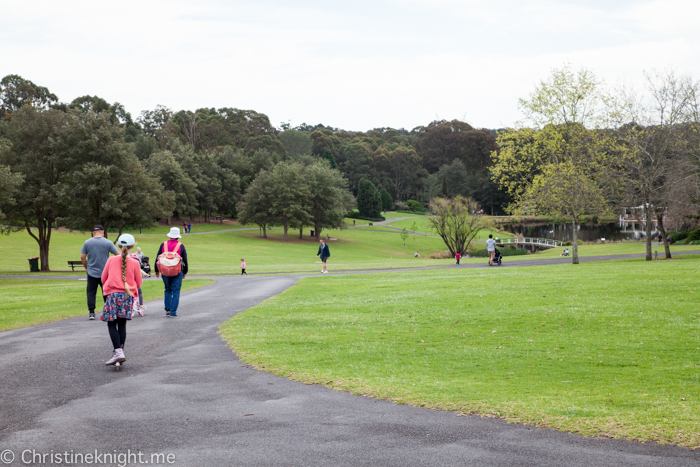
{"type": "Point", "coordinates": [586, 232]}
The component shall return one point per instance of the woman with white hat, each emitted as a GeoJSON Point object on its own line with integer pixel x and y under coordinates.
{"type": "Point", "coordinates": [121, 278]}
{"type": "Point", "coordinates": [172, 265]}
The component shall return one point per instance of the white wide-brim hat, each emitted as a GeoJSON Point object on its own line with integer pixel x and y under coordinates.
{"type": "Point", "coordinates": [174, 232]}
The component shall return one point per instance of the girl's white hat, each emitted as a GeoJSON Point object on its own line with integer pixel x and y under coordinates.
{"type": "Point", "coordinates": [174, 232]}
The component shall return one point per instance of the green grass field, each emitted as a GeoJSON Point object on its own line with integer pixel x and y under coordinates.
{"type": "Point", "coordinates": [599, 349]}
{"type": "Point", "coordinates": [21, 305]}
{"type": "Point", "coordinates": [424, 227]}
{"type": "Point", "coordinates": [220, 253]}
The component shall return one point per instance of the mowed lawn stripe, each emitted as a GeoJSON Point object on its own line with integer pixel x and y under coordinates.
{"type": "Point", "coordinates": [607, 348]}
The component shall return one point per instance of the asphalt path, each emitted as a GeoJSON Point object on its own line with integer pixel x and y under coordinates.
{"type": "Point", "coordinates": [183, 392]}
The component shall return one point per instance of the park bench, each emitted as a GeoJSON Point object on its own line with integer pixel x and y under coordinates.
{"type": "Point", "coordinates": [219, 218]}
{"type": "Point", "coordinates": [75, 264]}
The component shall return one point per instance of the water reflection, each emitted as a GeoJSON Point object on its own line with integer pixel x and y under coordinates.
{"type": "Point", "coordinates": [586, 232]}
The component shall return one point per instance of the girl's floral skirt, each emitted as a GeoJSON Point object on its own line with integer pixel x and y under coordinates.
{"type": "Point", "coordinates": [118, 305]}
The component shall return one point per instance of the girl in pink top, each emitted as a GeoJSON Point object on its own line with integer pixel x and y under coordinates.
{"type": "Point", "coordinates": [243, 267]}
{"type": "Point", "coordinates": [121, 279]}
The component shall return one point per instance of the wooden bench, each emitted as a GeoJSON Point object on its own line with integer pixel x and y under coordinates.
{"type": "Point", "coordinates": [75, 264]}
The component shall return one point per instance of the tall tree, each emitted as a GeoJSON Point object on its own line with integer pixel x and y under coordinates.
{"type": "Point", "coordinates": [255, 208]}
{"type": "Point", "coordinates": [328, 155]}
{"type": "Point", "coordinates": [329, 200]}
{"type": "Point", "coordinates": [289, 195]}
{"type": "Point", "coordinates": [164, 167]}
{"type": "Point", "coordinates": [108, 185]}
{"type": "Point", "coordinates": [387, 200]}
{"type": "Point", "coordinates": [578, 175]}
{"type": "Point", "coordinates": [296, 143]}
{"type": "Point", "coordinates": [369, 202]}
{"type": "Point", "coordinates": [16, 91]}
{"type": "Point", "coordinates": [36, 155]}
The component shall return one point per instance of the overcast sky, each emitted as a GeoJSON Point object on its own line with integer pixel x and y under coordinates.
{"type": "Point", "coordinates": [355, 65]}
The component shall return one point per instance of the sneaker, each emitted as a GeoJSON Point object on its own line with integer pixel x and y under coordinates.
{"type": "Point", "coordinates": [142, 309]}
{"type": "Point", "coordinates": [118, 356]}
{"type": "Point", "coordinates": [167, 312]}
{"type": "Point", "coordinates": [92, 316]}
{"type": "Point", "coordinates": [173, 314]}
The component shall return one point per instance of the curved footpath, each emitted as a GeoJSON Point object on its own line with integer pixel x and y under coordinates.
{"type": "Point", "coordinates": [183, 392]}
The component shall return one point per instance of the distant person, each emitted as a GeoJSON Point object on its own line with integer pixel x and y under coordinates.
{"type": "Point", "coordinates": [416, 255]}
{"type": "Point", "coordinates": [140, 254]}
{"type": "Point", "coordinates": [121, 278]}
{"type": "Point", "coordinates": [172, 279]}
{"type": "Point", "coordinates": [243, 267]}
{"type": "Point", "coordinates": [94, 256]}
{"type": "Point", "coordinates": [353, 222]}
{"type": "Point", "coordinates": [184, 227]}
{"type": "Point", "coordinates": [324, 253]}
{"type": "Point", "coordinates": [668, 239]}
{"type": "Point", "coordinates": [491, 248]}
{"type": "Point", "coordinates": [457, 257]}
{"type": "Point", "coordinates": [661, 238]}
{"type": "Point", "coordinates": [139, 306]}
{"type": "Point", "coordinates": [189, 228]}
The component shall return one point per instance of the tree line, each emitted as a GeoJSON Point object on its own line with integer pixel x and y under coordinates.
{"type": "Point", "coordinates": [592, 149]}
{"type": "Point", "coordinates": [90, 162]}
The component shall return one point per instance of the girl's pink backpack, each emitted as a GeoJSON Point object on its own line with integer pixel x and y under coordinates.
{"type": "Point", "coordinates": [170, 262]}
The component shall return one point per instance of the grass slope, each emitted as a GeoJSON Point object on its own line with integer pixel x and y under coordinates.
{"type": "Point", "coordinates": [220, 253]}
{"type": "Point", "coordinates": [598, 349]}
{"type": "Point", "coordinates": [21, 305]}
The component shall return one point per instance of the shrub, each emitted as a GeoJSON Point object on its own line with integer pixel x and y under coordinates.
{"type": "Point", "coordinates": [678, 236]}
{"type": "Point", "coordinates": [693, 235]}
{"type": "Point", "coordinates": [357, 215]}
{"type": "Point", "coordinates": [694, 242]}
{"type": "Point", "coordinates": [414, 205]}
{"type": "Point", "coordinates": [387, 200]}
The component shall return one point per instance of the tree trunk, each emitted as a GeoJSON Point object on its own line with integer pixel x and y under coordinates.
{"type": "Point", "coordinates": [168, 220]}
{"type": "Point", "coordinates": [286, 228]}
{"type": "Point", "coordinates": [317, 230]}
{"type": "Point", "coordinates": [662, 229]}
{"type": "Point", "coordinates": [647, 215]}
{"type": "Point", "coordinates": [264, 227]}
{"type": "Point", "coordinates": [574, 246]}
{"type": "Point", "coordinates": [301, 233]}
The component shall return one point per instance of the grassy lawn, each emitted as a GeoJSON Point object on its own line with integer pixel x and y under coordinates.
{"type": "Point", "coordinates": [21, 305]}
{"type": "Point", "coordinates": [220, 253]}
{"type": "Point", "coordinates": [424, 227]}
{"type": "Point", "coordinates": [609, 348]}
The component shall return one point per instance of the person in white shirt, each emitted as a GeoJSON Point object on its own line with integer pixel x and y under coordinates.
{"type": "Point", "coordinates": [491, 248]}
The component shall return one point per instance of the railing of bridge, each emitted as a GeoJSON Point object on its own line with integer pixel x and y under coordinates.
{"type": "Point", "coordinates": [543, 242]}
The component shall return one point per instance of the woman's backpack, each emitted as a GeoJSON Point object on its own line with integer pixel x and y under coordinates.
{"type": "Point", "coordinates": [170, 262]}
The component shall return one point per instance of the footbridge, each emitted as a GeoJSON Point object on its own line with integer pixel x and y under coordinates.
{"type": "Point", "coordinates": [529, 241]}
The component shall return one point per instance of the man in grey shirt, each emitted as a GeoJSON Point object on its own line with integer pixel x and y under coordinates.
{"type": "Point", "coordinates": [94, 255]}
{"type": "Point", "coordinates": [491, 248]}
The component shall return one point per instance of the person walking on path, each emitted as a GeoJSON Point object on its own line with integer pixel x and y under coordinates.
{"type": "Point", "coordinates": [94, 256]}
{"type": "Point", "coordinates": [491, 248]}
{"type": "Point", "coordinates": [324, 253]}
{"type": "Point", "coordinates": [172, 283]}
{"type": "Point", "coordinates": [121, 278]}
{"type": "Point", "coordinates": [457, 257]}
{"type": "Point", "coordinates": [243, 267]}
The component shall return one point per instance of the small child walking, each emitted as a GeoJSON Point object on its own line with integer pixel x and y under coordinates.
{"type": "Point", "coordinates": [457, 257]}
{"type": "Point", "coordinates": [122, 279]}
{"type": "Point", "coordinates": [243, 267]}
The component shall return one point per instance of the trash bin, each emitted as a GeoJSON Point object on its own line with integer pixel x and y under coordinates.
{"type": "Point", "coordinates": [34, 264]}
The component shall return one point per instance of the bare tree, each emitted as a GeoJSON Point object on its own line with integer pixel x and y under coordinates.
{"type": "Point", "coordinates": [454, 223]}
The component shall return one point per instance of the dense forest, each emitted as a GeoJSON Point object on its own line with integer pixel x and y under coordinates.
{"type": "Point", "coordinates": [441, 158]}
